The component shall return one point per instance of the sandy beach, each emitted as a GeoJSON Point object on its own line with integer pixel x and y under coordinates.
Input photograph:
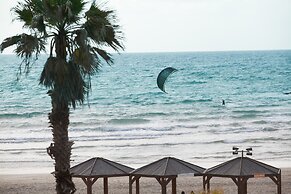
{"type": "Point", "coordinates": [44, 183]}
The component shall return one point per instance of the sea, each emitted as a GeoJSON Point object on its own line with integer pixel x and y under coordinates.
{"type": "Point", "coordinates": [128, 119]}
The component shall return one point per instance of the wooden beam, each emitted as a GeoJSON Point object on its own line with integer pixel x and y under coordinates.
{"type": "Point", "coordinates": [105, 185]}
{"type": "Point", "coordinates": [164, 181]}
{"type": "Point", "coordinates": [130, 184]}
{"type": "Point", "coordinates": [174, 186]}
{"type": "Point", "coordinates": [133, 179]}
{"type": "Point", "coordinates": [242, 185]}
{"type": "Point", "coordinates": [206, 183]}
{"type": "Point", "coordinates": [137, 185]}
{"type": "Point", "coordinates": [235, 180]}
{"type": "Point", "coordinates": [279, 185]}
{"type": "Point", "coordinates": [89, 182]}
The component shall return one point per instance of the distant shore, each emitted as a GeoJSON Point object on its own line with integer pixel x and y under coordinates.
{"type": "Point", "coordinates": [45, 184]}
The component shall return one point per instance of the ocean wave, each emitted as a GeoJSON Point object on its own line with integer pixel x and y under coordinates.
{"type": "Point", "coordinates": [270, 129]}
{"type": "Point", "coordinates": [128, 121]}
{"type": "Point", "coordinates": [23, 140]}
{"type": "Point", "coordinates": [152, 114]}
{"type": "Point", "coordinates": [20, 115]}
{"type": "Point", "coordinates": [190, 101]}
{"type": "Point", "coordinates": [260, 122]}
{"type": "Point", "coordinates": [196, 82]}
{"type": "Point", "coordinates": [245, 116]}
{"type": "Point", "coordinates": [249, 111]}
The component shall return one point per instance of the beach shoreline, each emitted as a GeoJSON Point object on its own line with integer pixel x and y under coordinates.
{"type": "Point", "coordinates": [45, 184]}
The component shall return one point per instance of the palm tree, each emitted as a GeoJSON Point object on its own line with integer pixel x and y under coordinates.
{"type": "Point", "coordinates": [76, 37]}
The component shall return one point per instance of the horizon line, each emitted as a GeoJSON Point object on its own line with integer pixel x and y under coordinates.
{"type": "Point", "coordinates": [189, 51]}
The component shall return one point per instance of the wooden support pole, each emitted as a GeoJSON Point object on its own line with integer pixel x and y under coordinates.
{"type": "Point", "coordinates": [164, 186]}
{"type": "Point", "coordinates": [279, 184]}
{"type": "Point", "coordinates": [239, 189]}
{"type": "Point", "coordinates": [130, 184]}
{"type": "Point", "coordinates": [277, 179]}
{"type": "Point", "coordinates": [137, 185]}
{"type": "Point", "coordinates": [242, 185]}
{"type": "Point", "coordinates": [133, 179]}
{"type": "Point", "coordinates": [105, 185]}
{"type": "Point", "coordinates": [208, 183]}
{"type": "Point", "coordinates": [245, 183]}
{"type": "Point", "coordinates": [204, 182]}
{"type": "Point", "coordinates": [89, 182]}
{"type": "Point", "coordinates": [162, 182]}
{"type": "Point", "coordinates": [174, 186]}
{"type": "Point", "coordinates": [165, 181]}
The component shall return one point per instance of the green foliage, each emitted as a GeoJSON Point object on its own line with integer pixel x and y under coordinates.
{"type": "Point", "coordinates": [76, 43]}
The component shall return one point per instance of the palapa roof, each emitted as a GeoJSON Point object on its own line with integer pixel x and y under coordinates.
{"type": "Point", "coordinates": [242, 167]}
{"type": "Point", "coordinates": [168, 167]}
{"type": "Point", "coordinates": [100, 167]}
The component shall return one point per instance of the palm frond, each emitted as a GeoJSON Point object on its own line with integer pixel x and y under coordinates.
{"type": "Point", "coordinates": [73, 9]}
{"type": "Point", "coordinates": [29, 45]}
{"type": "Point", "coordinates": [38, 23]}
{"type": "Point", "coordinates": [101, 27]}
{"type": "Point", "coordinates": [87, 59]}
{"type": "Point", "coordinates": [13, 40]}
{"type": "Point", "coordinates": [23, 13]}
{"type": "Point", "coordinates": [65, 79]}
{"type": "Point", "coordinates": [105, 55]}
{"type": "Point", "coordinates": [27, 11]}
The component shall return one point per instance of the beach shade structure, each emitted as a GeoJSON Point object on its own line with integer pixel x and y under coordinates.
{"type": "Point", "coordinates": [164, 171]}
{"type": "Point", "coordinates": [240, 170]}
{"type": "Point", "coordinates": [93, 169]}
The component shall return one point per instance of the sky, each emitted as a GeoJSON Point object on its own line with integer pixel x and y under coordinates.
{"type": "Point", "coordinates": [191, 25]}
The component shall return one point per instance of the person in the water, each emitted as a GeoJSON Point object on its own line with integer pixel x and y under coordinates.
{"type": "Point", "coordinates": [223, 102]}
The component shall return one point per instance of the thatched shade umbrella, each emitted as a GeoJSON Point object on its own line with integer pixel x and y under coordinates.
{"type": "Point", "coordinates": [165, 171]}
{"type": "Point", "coordinates": [240, 170]}
{"type": "Point", "coordinates": [95, 168]}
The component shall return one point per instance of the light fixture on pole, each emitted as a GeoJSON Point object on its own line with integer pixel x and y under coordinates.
{"type": "Point", "coordinates": [235, 151]}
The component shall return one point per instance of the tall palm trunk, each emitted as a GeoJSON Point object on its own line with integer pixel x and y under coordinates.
{"type": "Point", "coordinates": [59, 120]}
{"type": "Point", "coordinates": [61, 148]}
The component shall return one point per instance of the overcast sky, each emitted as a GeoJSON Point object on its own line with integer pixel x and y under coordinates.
{"type": "Point", "coordinates": [192, 25]}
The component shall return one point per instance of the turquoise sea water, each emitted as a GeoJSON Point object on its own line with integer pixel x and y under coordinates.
{"type": "Point", "coordinates": [131, 121]}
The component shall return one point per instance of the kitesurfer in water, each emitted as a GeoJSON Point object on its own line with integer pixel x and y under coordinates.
{"type": "Point", "coordinates": [223, 102]}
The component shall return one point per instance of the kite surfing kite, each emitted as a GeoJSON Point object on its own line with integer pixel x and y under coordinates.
{"type": "Point", "coordinates": [162, 77]}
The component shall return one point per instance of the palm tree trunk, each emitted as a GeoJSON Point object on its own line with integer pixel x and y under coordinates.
{"type": "Point", "coordinates": [60, 150]}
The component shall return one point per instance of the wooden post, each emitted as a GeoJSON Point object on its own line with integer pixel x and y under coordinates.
{"type": "Point", "coordinates": [204, 182]}
{"type": "Point", "coordinates": [89, 188]}
{"type": "Point", "coordinates": [137, 185]}
{"type": "Point", "coordinates": [133, 179]}
{"type": "Point", "coordinates": [242, 185]}
{"type": "Point", "coordinates": [174, 186]}
{"type": "Point", "coordinates": [277, 180]}
{"type": "Point", "coordinates": [164, 186]}
{"type": "Point", "coordinates": [105, 185]}
{"type": "Point", "coordinates": [89, 182]}
{"type": "Point", "coordinates": [279, 183]}
{"type": "Point", "coordinates": [239, 191]}
{"type": "Point", "coordinates": [208, 183]}
{"type": "Point", "coordinates": [130, 184]}
{"type": "Point", "coordinates": [164, 182]}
